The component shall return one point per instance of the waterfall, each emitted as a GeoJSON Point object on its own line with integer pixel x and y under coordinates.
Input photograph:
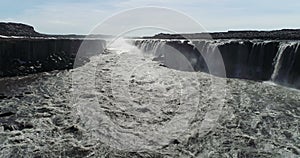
{"type": "Point", "coordinates": [196, 55]}
{"type": "Point", "coordinates": [209, 55]}
{"type": "Point", "coordinates": [286, 53]}
{"type": "Point", "coordinates": [293, 58]}
{"type": "Point", "coordinates": [259, 60]}
{"type": "Point", "coordinates": [278, 60]}
{"type": "Point", "coordinates": [152, 47]}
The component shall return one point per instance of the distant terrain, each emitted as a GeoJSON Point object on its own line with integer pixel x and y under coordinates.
{"type": "Point", "coordinates": [18, 29]}
{"type": "Point", "coordinates": [24, 30]}
{"type": "Point", "coordinates": [285, 34]}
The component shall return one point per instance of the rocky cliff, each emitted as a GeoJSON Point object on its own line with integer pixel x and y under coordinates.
{"type": "Point", "coordinates": [255, 55]}
{"type": "Point", "coordinates": [25, 56]}
{"type": "Point", "coordinates": [17, 29]}
{"type": "Point", "coordinates": [24, 51]}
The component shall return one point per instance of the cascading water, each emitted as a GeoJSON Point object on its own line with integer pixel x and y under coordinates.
{"type": "Point", "coordinates": [278, 60]}
{"type": "Point", "coordinates": [254, 60]}
{"type": "Point", "coordinates": [152, 47]}
{"type": "Point", "coordinates": [285, 69]}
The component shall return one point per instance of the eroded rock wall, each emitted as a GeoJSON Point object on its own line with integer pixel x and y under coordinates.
{"type": "Point", "coordinates": [25, 56]}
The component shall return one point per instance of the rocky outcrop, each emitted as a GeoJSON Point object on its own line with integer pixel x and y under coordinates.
{"type": "Point", "coordinates": [259, 60]}
{"type": "Point", "coordinates": [285, 34]}
{"type": "Point", "coordinates": [16, 29]}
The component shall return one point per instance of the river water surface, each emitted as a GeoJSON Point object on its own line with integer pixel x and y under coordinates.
{"type": "Point", "coordinates": [123, 104]}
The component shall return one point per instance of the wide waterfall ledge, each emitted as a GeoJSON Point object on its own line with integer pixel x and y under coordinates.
{"type": "Point", "coordinates": [272, 60]}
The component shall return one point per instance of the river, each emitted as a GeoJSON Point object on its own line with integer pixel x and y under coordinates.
{"type": "Point", "coordinates": [124, 104]}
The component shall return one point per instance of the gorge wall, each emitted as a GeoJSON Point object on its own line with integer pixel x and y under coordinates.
{"type": "Point", "coordinates": [21, 56]}
{"type": "Point", "coordinates": [254, 55]}
{"type": "Point", "coordinates": [260, 60]}
{"type": "Point", "coordinates": [25, 51]}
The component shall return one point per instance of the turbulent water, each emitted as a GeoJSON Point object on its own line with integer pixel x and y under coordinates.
{"type": "Point", "coordinates": [258, 60]}
{"type": "Point", "coordinates": [124, 104]}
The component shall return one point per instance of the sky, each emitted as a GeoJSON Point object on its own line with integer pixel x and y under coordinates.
{"type": "Point", "coordinates": [81, 16]}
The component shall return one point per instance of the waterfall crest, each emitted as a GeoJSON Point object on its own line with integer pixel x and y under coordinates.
{"type": "Point", "coordinates": [277, 61]}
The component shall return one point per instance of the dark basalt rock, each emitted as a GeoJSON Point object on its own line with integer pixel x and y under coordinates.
{"type": "Point", "coordinates": [284, 34]}
{"type": "Point", "coordinates": [16, 29]}
{"type": "Point", "coordinates": [32, 52]}
{"type": "Point", "coordinates": [27, 56]}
